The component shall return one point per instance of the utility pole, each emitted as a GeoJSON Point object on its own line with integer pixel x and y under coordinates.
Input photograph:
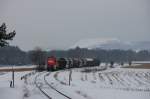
{"type": "Point", "coordinates": [13, 78]}
{"type": "Point", "coordinates": [70, 76]}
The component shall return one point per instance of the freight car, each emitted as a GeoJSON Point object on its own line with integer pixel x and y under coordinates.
{"type": "Point", "coordinates": [64, 63]}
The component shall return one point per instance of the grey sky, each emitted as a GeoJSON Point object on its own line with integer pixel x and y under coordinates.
{"type": "Point", "coordinates": [60, 23]}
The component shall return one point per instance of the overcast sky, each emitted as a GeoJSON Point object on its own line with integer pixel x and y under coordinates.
{"type": "Point", "coordinates": [59, 24]}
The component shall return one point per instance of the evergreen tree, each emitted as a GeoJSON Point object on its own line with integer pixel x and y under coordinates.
{"type": "Point", "coordinates": [4, 36]}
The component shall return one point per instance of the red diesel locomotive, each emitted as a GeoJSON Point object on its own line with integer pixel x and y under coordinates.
{"type": "Point", "coordinates": [51, 63]}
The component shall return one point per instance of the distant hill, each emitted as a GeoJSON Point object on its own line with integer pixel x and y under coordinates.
{"type": "Point", "coordinates": [111, 43]}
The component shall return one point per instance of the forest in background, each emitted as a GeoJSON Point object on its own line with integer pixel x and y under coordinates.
{"type": "Point", "coordinates": [13, 55]}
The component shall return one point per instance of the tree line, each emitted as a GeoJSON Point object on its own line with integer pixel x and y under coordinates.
{"type": "Point", "coordinates": [115, 55]}
{"type": "Point", "coordinates": [13, 55]}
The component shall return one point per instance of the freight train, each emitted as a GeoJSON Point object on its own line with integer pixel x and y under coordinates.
{"type": "Point", "coordinates": [54, 63]}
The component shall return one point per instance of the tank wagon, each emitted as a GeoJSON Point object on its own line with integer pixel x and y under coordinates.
{"type": "Point", "coordinates": [54, 63]}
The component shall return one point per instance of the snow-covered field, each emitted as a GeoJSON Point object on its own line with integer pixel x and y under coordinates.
{"type": "Point", "coordinates": [11, 93]}
{"type": "Point", "coordinates": [86, 83]}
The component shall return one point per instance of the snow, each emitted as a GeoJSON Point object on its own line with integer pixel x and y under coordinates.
{"type": "Point", "coordinates": [11, 93]}
{"type": "Point", "coordinates": [90, 43]}
{"type": "Point", "coordinates": [111, 43]}
{"type": "Point", "coordinates": [88, 85]}
{"type": "Point", "coordinates": [113, 83]}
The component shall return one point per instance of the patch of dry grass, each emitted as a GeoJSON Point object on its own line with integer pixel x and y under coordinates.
{"type": "Point", "coordinates": [17, 69]}
{"type": "Point", "coordinates": [142, 66]}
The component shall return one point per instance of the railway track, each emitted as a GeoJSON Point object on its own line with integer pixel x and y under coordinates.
{"type": "Point", "coordinates": [39, 87]}
{"type": "Point", "coordinates": [55, 88]}
{"type": "Point", "coordinates": [47, 89]}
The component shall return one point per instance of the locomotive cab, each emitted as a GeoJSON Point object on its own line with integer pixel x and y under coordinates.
{"type": "Point", "coordinates": [51, 63]}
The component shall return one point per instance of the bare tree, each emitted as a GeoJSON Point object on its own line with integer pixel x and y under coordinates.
{"type": "Point", "coordinates": [38, 57]}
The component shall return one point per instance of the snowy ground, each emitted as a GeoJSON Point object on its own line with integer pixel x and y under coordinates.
{"type": "Point", "coordinates": [86, 83]}
{"type": "Point", "coordinates": [109, 84]}
{"type": "Point", "coordinates": [11, 93]}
